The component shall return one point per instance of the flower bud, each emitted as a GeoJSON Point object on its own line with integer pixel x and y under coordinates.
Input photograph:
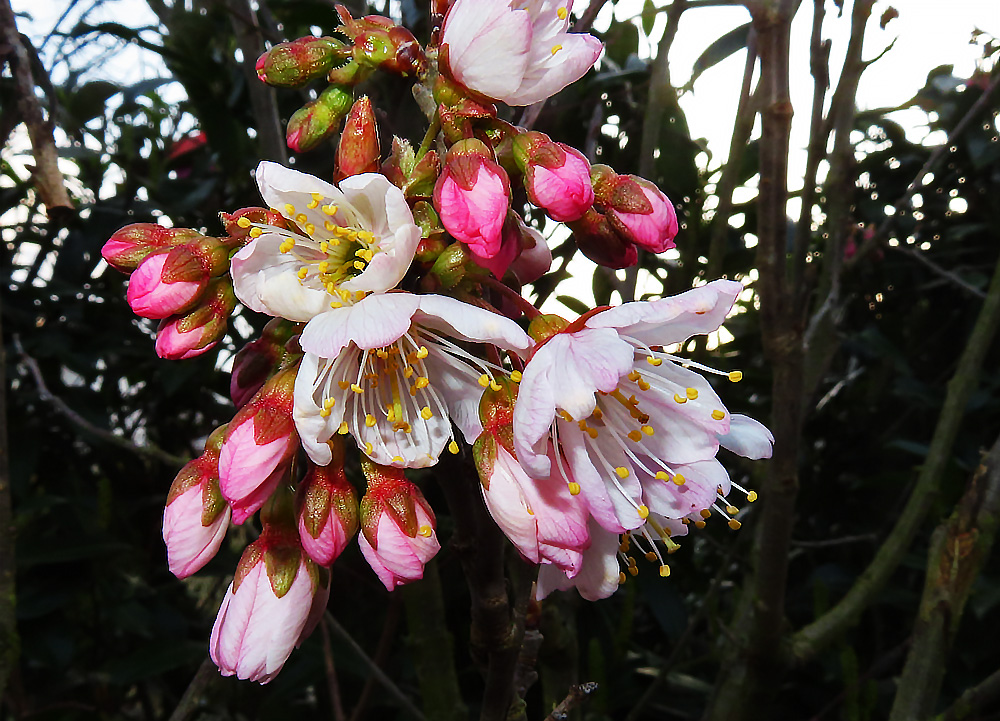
{"type": "Point", "coordinates": [169, 283]}
{"type": "Point", "coordinates": [327, 508]}
{"type": "Point", "coordinates": [653, 229]}
{"type": "Point", "coordinates": [318, 119]}
{"type": "Point", "coordinates": [472, 197]}
{"type": "Point", "coordinates": [260, 439]}
{"type": "Point", "coordinates": [556, 176]}
{"type": "Point", "coordinates": [379, 42]}
{"type": "Point", "coordinates": [258, 360]}
{"type": "Point", "coordinates": [128, 247]}
{"type": "Point", "coordinates": [397, 525]}
{"type": "Point", "coordinates": [293, 64]}
{"type": "Point", "coordinates": [543, 327]}
{"type": "Point", "coordinates": [196, 516]}
{"type": "Point", "coordinates": [268, 607]}
{"type": "Point", "coordinates": [239, 223]}
{"type": "Point", "coordinates": [453, 265]}
{"type": "Point", "coordinates": [186, 336]}
{"type": "Point", "coordinates": [535, 258]}
{"type": "Point", "coordinates": [358, 149]}
{"type": "Point", "coordinates": [598, 240]}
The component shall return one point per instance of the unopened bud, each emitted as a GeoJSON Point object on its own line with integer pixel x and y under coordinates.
{"type": "Point", "coordinates": [258, 360]}
{"type": "Point", "coordinates": [453, 265]}
{"type": "Point", "coordinates": [544, 327]}
{"type": "Point", "coordinates": [379, 42]}
{"type": "Point", "coordinates": [186, 336]}
{"type": "Point", "coordinates": [294, 64]}
{"type": "Point", "coordinates": [128, 247]}
{"type": "Point", "coordinates": [317, 120]}
{"type": "Point", "coordinates": [239, 232]}
{"type": "Point", "coordinates": [358, 149]}
{"type": "Point", "coordinates": [327, 509]}
{"type": "Point", "coordinates": [599, 241]}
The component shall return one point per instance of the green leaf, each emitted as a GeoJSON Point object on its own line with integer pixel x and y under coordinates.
{"type": "Point", "coordinates": [649, 12]}
{"type": "Point", "coordinates": [735, 39]}
{"type": "Point", "coordinates": [574, 304]}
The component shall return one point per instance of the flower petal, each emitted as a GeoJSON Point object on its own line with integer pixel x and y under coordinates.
{"type": "Point", "coordinates": [747, 438]}
{"type": "Point", "coordinates": [374, 322]}
{"type": "Point", "coordinates": [266, 280]}
{"type": "Point", "coordinates": [470, 323]}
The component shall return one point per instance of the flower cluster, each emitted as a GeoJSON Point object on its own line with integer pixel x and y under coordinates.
{"type": "Point", "coordinates": [398, 334]}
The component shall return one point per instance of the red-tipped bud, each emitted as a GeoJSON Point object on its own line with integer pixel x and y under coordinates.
{"type": "Point", "coordinates": [186, 336]}
{"type": "Point", "coordinates": [472, 197]}
{"type": "Point", "coordinates": [239, 223]}
{"type": "Point", "coordinates": [379, 42]}
{"type": "Point", "coordinates": [327, 509]}
{"type": "Point", "coordinates": [293, 64]}
{"type": "Point", "coordinates": [556, 176]}
{"type": "Point", "coordinates": [397, 526]}
{"type": "Point", "coordinates": [635, 209]}
{"type": "Point", "coordinates": [598, 240]}
{"type": "Point", "coordinates": [258, 360]}
{"type": "Point", "coordinates": [260, 440]}
{"type": "Point", "coordinates": [196, 516]}
{"type": "Point", "coordinates": [317, 120]}
{"type": "Point", "coordinates": [128, 247]}
{"type": "Point", "coordinates": [358, 149]}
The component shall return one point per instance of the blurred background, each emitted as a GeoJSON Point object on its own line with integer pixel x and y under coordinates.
{"type": "Point", "coordinates": [860, 585]}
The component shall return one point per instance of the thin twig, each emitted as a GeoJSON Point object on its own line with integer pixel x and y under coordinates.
{"type": "Point", "coordinates": [373, 668]}
{"type": "Point", "coordinates": [203, 678]}
{"type": "Point", "coordinates": [332, 684]}
{"type": "Point", "coordinates": [576, 694]}
{"type": "Point", "coordinates": [974, 699]}
{"type": "Point", "coordinates": [883, 230]}
{"type": "Point", "coordinates": [943, 272]}
{"type": "Point", "coordinates": [149, 452]}
{"type": "Point", "coordinates": [833, 542]}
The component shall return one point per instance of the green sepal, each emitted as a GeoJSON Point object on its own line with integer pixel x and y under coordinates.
{"type": "Point", "coordinates": [484, 454]}
{"type": "Point", "coordinates": [250, 558]}
{"type": "Point", "coordinates": [282, 565]}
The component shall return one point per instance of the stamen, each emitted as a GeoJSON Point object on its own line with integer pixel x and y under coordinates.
{"type": "Point", "coordinates": [692, 393]}
{"type": "Point", "coordinates": [243, 222]}
{"type": "Point", "coordinates": [426, 531]}
{"type": "Point", "coordinates": [718, 415]}
{"type": "Point", "coordinates": [516, 376]}
{"type": "Point", "coordinates": [574, 488]}
{"type": "Point", "coordinates": [556, 48]}
{"type": "Point", "coordinates": [562, 13]}
{"type": "Point", "coordinates": [736, 376]}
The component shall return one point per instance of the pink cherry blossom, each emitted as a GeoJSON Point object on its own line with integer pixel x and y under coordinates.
{"type": "Point", "coordinates": [327, 509]}
{"type": "Point", "coordinates": [557, 179]}
{"type": "Point", "coordinates": [472, 196]}
{"type": "Point", "coordinates": [653, 231]}
{"type": "Point", "coordinates": [515, 51]}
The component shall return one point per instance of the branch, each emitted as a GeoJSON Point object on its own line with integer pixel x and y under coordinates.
{"type": "Point", "coordinates": [9, 640]}
{"type": "Point", "coordinates": [332, 684]}
{"type": "Point", "coordinates": [812, 639]}
{"type": "Point", "coordinates": [883, 230]}
{"type": "Point", "coordinates": [262, 97]}
{"type": "Point", "coordinates": [149, 452]}
{"type": "Point", "coordinates": [576, 694]}
{"type": "Point", "coordinates": [943, 272]}
{"type": "Point", "coordinates": [48, 178]}
{"type": "Point", "coordinates": [974, 699]}
{"type": "Point", "coordinates": [959, 548]}
{"type": "Point", "coordinates": [373, 668]}
{"type": "Point", "coordinates": [200, 683]}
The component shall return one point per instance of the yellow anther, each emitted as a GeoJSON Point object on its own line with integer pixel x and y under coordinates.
{"type": "Point", "coordinates": [325, 412]}
{"type": "Point", "coordinates": [648, 430]}
{"type": "Point", "coordinates": [426, 413]}
{"type": "Point", "coordinates": [621, 578]}
{"type": "Point", "coordinates": [622, 472]}
{"type": "Point", "coordinates": [664, 570]}
{"type": "Point", "coordinates": [336, 304]}
{"type": "Point", "coordinates": [381, 353]}
{"type": "Point", "coordinates": [736, 376]}
{"type": "Point", "coordinates": [634, 436]}
{"type": "Point", "coordinates": [598, 414]}
{"type": "Point", "coordinates": [592, 432]}
{"type": "Point", "coordinates": [329, 402]}
{"type": "Point", "coordinates": [344, 385]}
{"type": "Point", "coordinates": [330, 209]}
{"type": "Point", "coordinates": [734, 524]}
{"type": "Point", "coordinates": [357, 389]}
{"type": "Point", "coordinates": [705, 513]}
{"type": "Point", "coordinates": [574, 488]}
{"type": "Point", "coordinates": [565, 416]}
{"type": "Point", "coordinates": [368, 448]}
{"type": "Point", "coordinates": [323, 266]}
{"type": "Point", "coordinates": [751, 496]}
{"type": "Point", "coordinates": [289, 210]}
{"type": "Point", "coordinates": [556, 48]}
{"type": "Point", "coordinates": [634, 376]}
{"type": "Point", "coordinates": [643, 385]}
{"type": "Point", "coordinates": [718, 415]}
{"type": "Point", "coordinates": [425, 531]}
{"type": "Point", "coordinates": [562, 13]}
{"type": "Point", "coordinates": [732, 510]}
{"type": "Point", "coordinates": [494, 386]}
{"type": "Point", "coordinates": [370, 420]}
{"type": "Point", "coordinates": [301, 218]}
{"type": "Point", "coordinates": [329, 225]}
{"type": "Point", "coordinates": [692, 393]}
{"type": "Point", "coordinates": [453, 448]}
{"type": "Point", "coordinates": [699, 524]}
{"type": "Point", "coordinates": [516, 376]}
{"type": "Point", "coordinates": [654, 361]}
{"type": "Point", "coordinates": [398, 459]}
{"type": "Point", "coordinates": [359, 265]}
{"type": "Point", "coordinates": [633, 570]}
{"type": "Point", "coordinates": [422, 352]}
{"type": "Point", "coordinates": [643, 512]}
{"type": "Point", "coordinates": [421, 382]}
{"type": "Point", "coordinates": [662, 476]}
{"type": "Point", "coordinates": [243, 222]}
{"type": "Point", "coordinates": [286, 245]}
{"type": "Point", "coordinates": [303, 272]}
{"type": "Point", "coordinates": [484, 380]}
{"type": "Point", "coordinates": [650, 556]}
{"type": "Point", "coordinates": [390, 415]}
{"type": "Point", "coordinates": [408, 372]}
{"type": "Point", "coordinates": [679, 479]}
{"type": "Point", "coordinates": [343, 428]}
{"type": "Point", "coordinates": [680, 399]}
{"type": "Point", "coordinates": [255, 232]}
{"type": "Point", "coordinates": [309, 228]}
{"type": "Point", "coordinates": [345, 295]}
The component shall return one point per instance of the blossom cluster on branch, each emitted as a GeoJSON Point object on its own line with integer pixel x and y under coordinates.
{"type": "Point", "coordinates": [399, 329]}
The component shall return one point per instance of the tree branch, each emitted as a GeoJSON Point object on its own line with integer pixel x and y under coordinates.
{"type": "Point", "coordinates": [812, 639]}
{"type": "Point", "coordinates": [47, 176]}
{"type": "Point", "coordinates": [9, 640]}
{"type": "Point", "coordinates": [974, 699]}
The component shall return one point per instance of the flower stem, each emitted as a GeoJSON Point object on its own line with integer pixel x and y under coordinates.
{"type": "Point", "coordinates": [516, 298]}
{"type": "Point", "coordinates": [429, 136]}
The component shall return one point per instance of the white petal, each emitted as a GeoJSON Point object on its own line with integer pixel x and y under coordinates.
{"type": "Point", "coordinates": [470, 323]}
{"type": "Point", "coordinates": [266, 280]}
{"type": "Point", "coordinates": [482, 36]}
{"type": "Point", "coordinates": [374, 322]}
{"type": "Point", "coordinates": [458, 385]}
{"type": "Point", "coordinates": [747, 438]}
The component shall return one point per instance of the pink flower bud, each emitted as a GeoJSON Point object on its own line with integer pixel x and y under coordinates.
{"type": "Point", "coordinates": [472, 197]}
{"type": "Point", "coordinates": [327, 509]}
{"type": "Point", "coordinates": [151, 297]}
{"type": "Point", "coordinates": [318, 119]}
{"type": "Point", "coordinates": [535, 258]}
{"type": "Point", "coordinates": [358, 149]}
{"type": "Point", "coordinates": [196, 516]}
{"type": "Point", "coordinates": [291, 65]}
{"type": "Point", "coordinates": [239, 233]}
{"type": "Point", "coordinates": [128, 247]}
{"type": "Point", "coordinates": [186, 336]}
{"type": "Point", "coordinates": [398, 527]}
{"type": "Point", "coordinates": [267, 609]}
{"type": "Point", "coordinates": [245, 507]}
{"type": "Point", "coordinates": [653, 229]}
{"type": "Point", "coordinates": [260, 439]}
{"type": "Point", "coordinates": [556, 176]}
{"type": "Point", "coordinates": [598, 240]}
{"type": "Point", "coordinates": [258, 360]}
